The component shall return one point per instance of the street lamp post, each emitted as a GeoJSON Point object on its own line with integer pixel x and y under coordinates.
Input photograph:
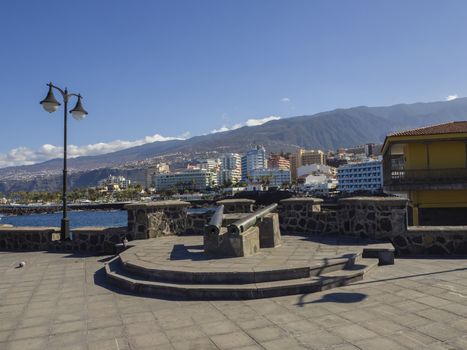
{"type": "Point", "coordinates": [50, 104]}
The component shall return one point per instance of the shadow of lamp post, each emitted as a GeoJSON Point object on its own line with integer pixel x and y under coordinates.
{"type": "Point", "coordinates": [50, 104]}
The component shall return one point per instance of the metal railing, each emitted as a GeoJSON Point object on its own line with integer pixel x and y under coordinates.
{"type": "Point", "coordinates": [425, 176]}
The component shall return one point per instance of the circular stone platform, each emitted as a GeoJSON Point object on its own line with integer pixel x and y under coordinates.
{"type": "Point", "coordinates": [178, 266]}
{"type": "Point", "coordinates": [186, 253]}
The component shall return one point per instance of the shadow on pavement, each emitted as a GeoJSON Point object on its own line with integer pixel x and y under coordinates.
{"type": "Point", "coordinates": [334, 298]}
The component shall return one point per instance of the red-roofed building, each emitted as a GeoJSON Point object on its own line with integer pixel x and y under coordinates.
{"type": "Point", "coordinates": [429, 166]}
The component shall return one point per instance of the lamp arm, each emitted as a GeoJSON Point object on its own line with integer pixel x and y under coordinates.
{"type": "Point", "coordinates": [64, 93]}
{"type": "Point", "coordinates": [57, 88]}
{"type": "Point", "coordinates": [76, 95]}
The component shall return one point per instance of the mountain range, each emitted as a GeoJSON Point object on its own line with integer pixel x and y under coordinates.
{"type": "Point", "coordinates": [326, 130]}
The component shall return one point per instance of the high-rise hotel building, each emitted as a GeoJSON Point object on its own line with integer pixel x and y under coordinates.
{"type": "Point", "coordinates": [230, 171]}
{"type": "Point", "coordinates": [253, 159]}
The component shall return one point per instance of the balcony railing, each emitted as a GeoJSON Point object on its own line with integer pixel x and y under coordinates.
{"type": "Point", "coordinates": [425, 176]}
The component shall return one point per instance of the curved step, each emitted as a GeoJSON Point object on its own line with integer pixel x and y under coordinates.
{"type": "Point", "coordinates": [162, 273]}
{"type": "Point", "coordinates": [122, 278]}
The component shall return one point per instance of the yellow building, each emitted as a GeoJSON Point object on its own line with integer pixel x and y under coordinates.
{"type": "Point", "coordinates": [305, 157]}
{"type": "Point", "coordinates": [429, 166]}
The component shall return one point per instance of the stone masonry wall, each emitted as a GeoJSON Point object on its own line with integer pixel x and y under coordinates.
{"type": "Point", "coordinates": [432, 240]}
{"type": "Point", "coordinates": [195, 222]}
{"type": "Point", "coordinates": [366, 217]}
{"type": "Point", "coordinates": [305, 215]}
{"type": "Point", "coordinates": [155, 219]}
{"type": "Point", "coordinates": [237, 205]}
{"type": "Point", "coordinates": [99, 240]}
{"type": "Point", "coordinates": [373, 217]}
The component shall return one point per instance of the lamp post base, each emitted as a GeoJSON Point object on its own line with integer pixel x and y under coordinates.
{"type": "Point", "coordinates": [65, 229]}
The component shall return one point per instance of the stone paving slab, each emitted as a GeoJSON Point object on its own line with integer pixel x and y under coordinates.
{"type": "Point", "coordinates": [60, 301]}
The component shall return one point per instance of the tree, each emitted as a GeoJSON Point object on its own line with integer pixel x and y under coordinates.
{"type": "Point", "coordinates": [228, 183]}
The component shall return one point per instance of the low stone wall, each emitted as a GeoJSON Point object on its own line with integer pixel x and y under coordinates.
{"type": "Point", "coordinates": [324, 222]}
{"type": "Point", "coordinates": [382, 218]}
{"type": "Point", "coordinates": [27, 238]}
{"type": "Point", "coordinates": [100, 240]}
{"type": "Point", "coordinates": [432, 240]}
{"type": "Point", "coordinates": [366, 217]}
{"type": "Point", "coordinates": [373, 217]}
{"type": "Point", "coordinates": [155, 219]}
{"type": "Point", "coordinates": [237, 205]}
{"type": "Point", "coordinates": [298, 215]}
{"type": "Point", "coordinates": [195, 222]}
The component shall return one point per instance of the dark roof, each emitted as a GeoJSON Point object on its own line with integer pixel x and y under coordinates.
{"type": "Point", "coordinates": [447, 128]}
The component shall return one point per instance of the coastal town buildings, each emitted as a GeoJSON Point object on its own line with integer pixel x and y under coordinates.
{"type": "Point", "coordinates": [253, 159]}
{"type": "Point", "coordinates": [317, 178]}
{"type": "Point", "coordinates": [190, 179]}
{"type": "Point", "coordinates": [273, 177]}
{"type": "Point", "coordinates": [152, 170]}
{"type": "Point", "coordinates": [364, 176]}
{"type": "Point", "coordinates": [318, 184]}
{"type": "Point", "coordinates": [305, 157]}
{"type": "Point", "coordinates": [115, 182]}
{"type": "Point", "coordinates": [230, 169]}
{"type": "Point", "coordinates": [429, 166]}
{"type": "Point", "coordinates": [305, 170]}
{"type": "Point", "coordinates": [211, 165]}
{"type": "Point", "coordinates": [279, 162]}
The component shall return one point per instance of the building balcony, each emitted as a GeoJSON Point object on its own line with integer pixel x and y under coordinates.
{"type": "Point", "coordinates": [430, 179]}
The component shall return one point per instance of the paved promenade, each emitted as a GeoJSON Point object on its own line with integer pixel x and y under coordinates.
{"type": "Point", "coordinates": [60, 301]}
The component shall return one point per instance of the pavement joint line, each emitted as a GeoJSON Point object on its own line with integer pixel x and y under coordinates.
{"type": "Point", "coordinates": [436, 288]}
{"type": "Point", "coordinates": [235, 322]}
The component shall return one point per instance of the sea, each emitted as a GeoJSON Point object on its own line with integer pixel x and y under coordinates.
{"type": "Point", "coordinates": [110, 218]}
{"type": "Point", "coordinates": [104, 218]}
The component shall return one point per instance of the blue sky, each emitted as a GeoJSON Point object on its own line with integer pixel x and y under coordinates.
{"type": "Point", "coordinates": [176, 68]}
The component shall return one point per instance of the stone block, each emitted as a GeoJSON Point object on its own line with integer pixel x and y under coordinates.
{"type": "Point", "coordinates": [245, 244]}
{"type": "Point", "coordinates": [386, 257]}
{"type": "Point", "coordinates": [213, 241]}
{"type": "Point", "coordinates": [269, 231]}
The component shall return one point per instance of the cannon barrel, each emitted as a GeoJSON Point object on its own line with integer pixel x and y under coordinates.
{"type": "Point", "coordinates": [215, 223]}
{"type": "Point", "coordinates": [245, 223]}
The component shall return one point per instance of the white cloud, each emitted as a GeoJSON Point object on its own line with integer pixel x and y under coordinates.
{"type": "Point", "coordinates": [221, 129]}
{"type": "Point", "coordinates": [285, 99]}
{"type": "Point", "coordinates": [249, 122]}
{"type": "Point", "coordinates": [451, 97]}
{"type": "Point", "coordinates": [27, 156]}
{"type": "Point", "coordinates": [255, 122]}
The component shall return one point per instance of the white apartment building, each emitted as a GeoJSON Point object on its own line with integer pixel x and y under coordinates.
{"type": "Point", "coordinates": [120, 181]}
{"type": "Point", "coordinates": [230, 169]}
{"type": "Point", "coordinates": [319, 183]}
{"type": "Point", "coordinates": [274, 177]}
{"type": "Point", "coordinates": [209, 164]}
{"type": "Point", "coordinates": [152, 170]}
{"type": "Point", "coordinates": [253, 159]}
{"type": "Point", "coordinates": [364, 176]}
{"type": "Point", "coordinates": [306, 170]}
{"type": "Point", "coordinates": [195, 179]}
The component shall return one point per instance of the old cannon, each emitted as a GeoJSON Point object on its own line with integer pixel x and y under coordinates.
{"type": "Point", "coordinates": [212, 232]}
{"type": "Point", "coordinates": [245, 236]}
{"type": "Point", "coordinates": [215, 224]}
{"type": "Point", "coordinates": [250, 220]}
